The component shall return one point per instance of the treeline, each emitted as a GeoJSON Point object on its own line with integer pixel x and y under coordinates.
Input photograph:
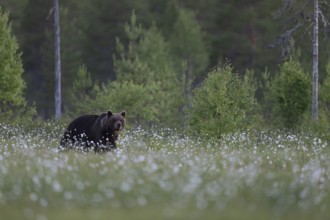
{"type": "Point", "coordinates": [167, 62]}
{"type": "Point", "coordinates": [234, 30]}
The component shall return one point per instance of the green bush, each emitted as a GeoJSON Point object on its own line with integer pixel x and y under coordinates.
{"type": "Point", "coordinates": [290, 94]}
{"type": "Point", "coordinates": [224, 103]}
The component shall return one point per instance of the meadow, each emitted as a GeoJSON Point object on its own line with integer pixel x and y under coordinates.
{"type": "Point", "coordinates": [165, 175]}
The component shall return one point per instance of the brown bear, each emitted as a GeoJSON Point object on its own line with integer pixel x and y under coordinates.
{"type": "Point", "coordinates": [94, 132]}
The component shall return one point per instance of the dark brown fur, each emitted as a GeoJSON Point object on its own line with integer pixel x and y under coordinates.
{"type": "Point", "coordinates": [94, 131]}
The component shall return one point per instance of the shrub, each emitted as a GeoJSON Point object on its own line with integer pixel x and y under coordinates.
{"type": "Point", "coordinates": [290, 95]}
{"type": "Point", "coordinates": [223, 103]}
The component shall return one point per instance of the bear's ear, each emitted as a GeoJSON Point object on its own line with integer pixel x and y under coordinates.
{"type": "Point", "coordinates": [123, 113]}
{"type": "Point", "coordinates": [109, 114]}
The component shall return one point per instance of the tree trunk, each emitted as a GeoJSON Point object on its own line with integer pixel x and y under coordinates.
{"type": "Point", "coordinates": [58, 100]}
{"type": "Point", "coordinates": [315, 61]}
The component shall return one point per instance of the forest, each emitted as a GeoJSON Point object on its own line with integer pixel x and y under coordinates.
{"type": "Point", "coordinates": [227, 109]}
{"type": "Point", "coordinates": [153, 58]}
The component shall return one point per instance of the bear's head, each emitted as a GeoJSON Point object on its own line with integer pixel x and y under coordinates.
{"type": "Point", "coordinates": [116, 121]}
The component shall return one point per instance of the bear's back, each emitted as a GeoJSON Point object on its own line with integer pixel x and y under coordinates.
{"type": "Point", "coordinates": [82, 124]}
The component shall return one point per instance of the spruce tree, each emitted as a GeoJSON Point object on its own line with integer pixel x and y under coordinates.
{"type": "Point", "coordinates": [147, 61]}
{"type": "Point", "coordinates": [11, 82]}
{"type": "Point", "coordinates": [189, 52]}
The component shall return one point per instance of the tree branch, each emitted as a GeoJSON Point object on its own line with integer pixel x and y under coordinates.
{"type": "Point", "coordinates": [284, 41]}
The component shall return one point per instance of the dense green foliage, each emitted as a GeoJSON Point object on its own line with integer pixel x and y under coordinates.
{"type": "Point", "coordinates": [224, 103]}
{"type": "Point", "coordinates": [12, 102]}
{"type": "Point", "coordinates": [149, 64]}
{"type": "Point", "coordinates": [146, 81]}
{"type": "Point", "coordinates": [290, 95]}
{"type": "Point", "coordinates": [11, 70]}
{"type": "Point", "coordinates": [117, 96]}
{"type": "Point", "coordinates": [89, 30]}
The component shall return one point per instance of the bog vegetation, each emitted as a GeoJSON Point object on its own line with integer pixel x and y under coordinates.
{"type": "Point", "coordinates": [200, 143]}
{"type": "Point", "coordinates": [164, 175]}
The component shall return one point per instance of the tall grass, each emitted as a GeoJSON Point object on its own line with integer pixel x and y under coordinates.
{"type": "Point", "coordinates": [165, 175]}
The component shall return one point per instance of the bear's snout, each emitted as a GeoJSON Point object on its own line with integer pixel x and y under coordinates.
{"type": "Point", "coordinates": [118, 126]}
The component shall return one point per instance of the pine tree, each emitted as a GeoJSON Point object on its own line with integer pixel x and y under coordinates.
{"type": "Point", "coordinates": [189, 52]}
{"type": "Point", "coordinates": [147, 61]}
{"type": "Point", "coordinates": [81, 90]}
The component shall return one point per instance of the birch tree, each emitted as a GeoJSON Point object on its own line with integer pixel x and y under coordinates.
{"type": "Point", "coordinates": [58, 100]}
{"type": "Point", "coordinates": [299, 15]}
{"type": "Point", "coordinates": [315, 61]}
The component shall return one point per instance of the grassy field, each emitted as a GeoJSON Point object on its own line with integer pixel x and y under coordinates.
{"type": "Point", "coordinates": [165, 175]}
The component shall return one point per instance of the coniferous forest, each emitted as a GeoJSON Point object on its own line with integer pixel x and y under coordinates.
{"type": "Point", "coordinates": [150, 56]}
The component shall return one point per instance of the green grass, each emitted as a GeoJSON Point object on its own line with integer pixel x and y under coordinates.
{"type": "Point", "coordinates": [164, 175]}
